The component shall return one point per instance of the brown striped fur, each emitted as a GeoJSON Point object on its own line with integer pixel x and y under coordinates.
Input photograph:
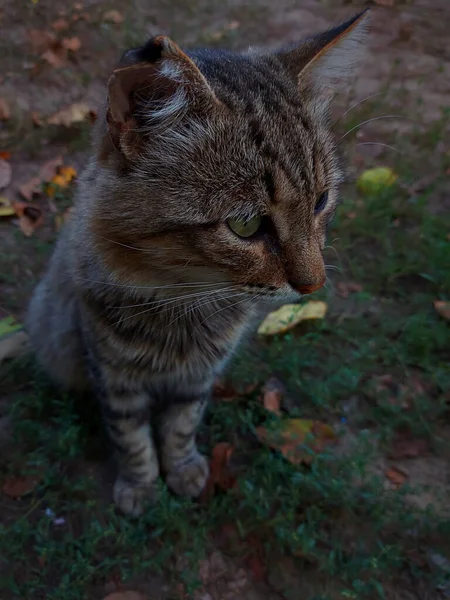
{"type": "Point", "coordinates": [149, 290]}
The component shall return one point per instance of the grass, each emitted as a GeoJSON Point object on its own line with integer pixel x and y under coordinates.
{"type": "Point", "coordinates": [335, 522]}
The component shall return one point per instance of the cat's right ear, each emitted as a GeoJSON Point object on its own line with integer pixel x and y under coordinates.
{"type": "Point", "coordinates": [153, 87]}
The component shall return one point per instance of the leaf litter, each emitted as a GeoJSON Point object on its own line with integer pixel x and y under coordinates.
{"type": "Point", "coordinates": [290, 315]}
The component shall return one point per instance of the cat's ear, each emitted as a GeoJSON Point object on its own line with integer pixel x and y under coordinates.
{"type": "Point", "coordinates": [153, 87]}
{"type": "Point", "coordinates": [327, 59]}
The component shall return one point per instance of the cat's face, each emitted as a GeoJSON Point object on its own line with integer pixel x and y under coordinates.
{"type": "Point", "coordinates": [224, 168]}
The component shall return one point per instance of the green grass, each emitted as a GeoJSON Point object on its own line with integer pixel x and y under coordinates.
{"type": "Point", "coordinates": [337, 520]}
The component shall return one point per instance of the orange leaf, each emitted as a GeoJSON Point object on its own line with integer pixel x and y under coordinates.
{"type": "Point", "coordinates": [396, 476]}
{"type": "Point", "coordinates": [16, 487]}
{"type": "Point", "coordinates": [68, 173]}
{"type": "Point", "coordinates": [294, 434]}
{"type": "Point", "coordinates": [5, 155]}
{"type": "Point", "coordinates": [273, 391]}
{"type": "Point", "coordinates": [219, 474]}
{"type": "Point", "coordinates": [442, 308]}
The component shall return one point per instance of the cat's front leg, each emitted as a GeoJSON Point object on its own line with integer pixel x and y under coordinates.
{"type": "Point", "coordinates": [126, 419]}
{"type": "Point", "coordinates": [186, 469]}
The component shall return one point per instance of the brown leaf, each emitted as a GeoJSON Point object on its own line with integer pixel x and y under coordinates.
{"type": "Point", "coordinates": [73, 43]}
{"type": "Point", "coordinates": [75, 113]}
{"type": "Point", "coordinates": [224, 391]}
{"type": "Point", "coordinates": [273, 391]}
{"type": "Point", "coordinates": [219, 474]}
{"type": "Point", "coordinates": [5, 113]}
{"type": "Point", "coordinates": [4, 155]}
{"type": "Point", "coordinates": [36, 119]}
{"type": "Point", "coordinates": [345, 288]}
{"type": "Point", "coordinates": [290, 439]}
{"type": "Point", "coordinates": [30, 217]}
{"type": "Point", "coordinates": [442, 308]}
{"type": "Point", "coordinates": [55, 58]}
{"type": "Point", "coordinates": [113, 16]}
{"type": "Point", "coordinates": [49, 168]}
{"type": "Point", "coordinates": [31, 188]}
{"type": "Point", "coordinates": [404, 447]}
{"type": "Point", "coordinates": [5, 174]}
{"type": "Point", "coordinates": [396, 476]}
{"type": "Point", "coordinates": [127, 595]}
{"type": "Point", "coordinates": [40, 40]}
{"type": "Point", "coordinates": [60, 25]}
{"type": "Point", "coordinates": [16, 487]}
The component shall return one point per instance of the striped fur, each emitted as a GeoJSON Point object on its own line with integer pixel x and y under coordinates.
{"type": "Point", "coordinates": [149, 291]}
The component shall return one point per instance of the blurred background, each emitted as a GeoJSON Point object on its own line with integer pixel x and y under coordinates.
{"type": "Point", "coordinates": [363, 511]}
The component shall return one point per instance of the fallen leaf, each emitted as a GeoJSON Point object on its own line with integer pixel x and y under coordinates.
{"type": "Point", "coordinates": [224, 391]}
{"type": "Point", "coordinates": [219, 474]}
{"type": "Point", "coordinates": [376, 180]}
{"type": "Point", "coordinates": [9, 325]}
{"type": "Point", "coordinates": [48, 169]}
{"type": "Point", "coordinates": [273, 391]}
{"type": "Point", "coordinates": [40, 39]}
{"type": "Point", "coordinates": [78, 6]}
{"type": "Point", "coordinates": [127, 595]}
{"type": "Point", "coordinates": [36, 119]}
{"type": "Point", "coordinates": [75, 113]}
{"type": "Point", "coordinates": [60, 25]}
{"type": "Point", "coordinates": [13, 345]}
{"type": "Point", "coordinates": [30, 217]}
{"type": "Point", "coordinates": [5, 155]}
{"type": "Point", "coordinates": [405, 447]}
{"type": "Point", "coordinates": [5, 113]}
{"type": "Point", "coordinates": [292, 434]}
{"type": "Point", "coordinates": [6, 208]}
{"type": "Point", "coordinates": [31, 188]}
{"type": "Point", "coordinates": [345, 288]}
{"type": "Point", "coordinates": [16, 487]}
{"type": "Point", "coordinates": [55, 58]}
{"type": "Point", "coordinates": [290, 315]}
{"type": "Point", "coordinates": [396, 476]}
{"type": "Point", "coordinates": [212, 568]}
{"type": "Point", "coordinates": [73, 43]}
{"type": "Point", "coordinates": [442, 308]}
{"type": "Point", "coordinates": [5, 174]}
{"type": "Point", "coordinates": [113, 16]}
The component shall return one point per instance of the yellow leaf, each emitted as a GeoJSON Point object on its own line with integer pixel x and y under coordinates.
{"type": "Point", "coordinates": [376, 180]}
{"type": "Point", "coordinates": [298, 440]}
{"type": "Point", "coordinates": [289, 315]}
{"type": "Point", "coordinates": [75, 113]}
{"type": "Point", "coordinates": [68, 173]}
{"type": "Point", "coordinates": [6, 210]}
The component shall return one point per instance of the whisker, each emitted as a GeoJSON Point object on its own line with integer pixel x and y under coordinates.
{"type": "Point", "coordinates": [355, 105]}
{"type": "Point", "coordinates": [333, 268]}
{"type": "Point", "coordinates": [374, 119]}
{"type": "Point", "coordinates": [175, 299]}
{"type": "Point", "coordinates": [223, 308]}
{"type": "Point", "coordinates": [379, 144]}
{"type": "Point", "coordinates": [150, 287]}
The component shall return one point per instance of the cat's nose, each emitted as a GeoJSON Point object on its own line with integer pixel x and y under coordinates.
{"type": "Point", "coordinates": [307, 288]}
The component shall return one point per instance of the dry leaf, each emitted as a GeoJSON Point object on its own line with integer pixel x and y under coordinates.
{"type": "Point", "coordinates": [345, 288]}
{"type": "Point", "coordinates": [6, 208]}
{"type": "Point", "coordinates": [127, 595]}
{"type": "Point", "coordinates": [60, 25]}
{"type": "Point", "coordinates": [273, 391]}
{"type": "Point", "coordinates": [13, 345]}
{"type": "Point", "coordinates": [224, 391]}
{"type": "Point", "coordinates": [5, 155]}
{"type": "Point", "coordinates": [30, 217]}
{"type": "Point", "coordinates": [75, 113]}
{"type": "Point", "coordinates": [113, 16]}
{"type": "Point", "coordinates": [37, 121]}
{"type": "Point", "coordinates": [55, 58]}
{"type": "Point", "coordinates": [48, 169]}
{"type": "Point", "coordinates": [73, 44]}
{"type": "Point", "coordinates": [293, 434]}
{"type": "Point", "coordinates": [31, 188]}
{"type": "Point", "coordinates": [5, 113]}
{"type": "Point", "coordinates": [290, 315]}
{"type": "Point", "coordinates": [219, 474]}
{"type": "Point", "coordinates": [16, 487]}
{"type": "Point", "coordinates": [396, 476]}
{"type": "Point", "coordinates": [40, 40]}
{"type": "Point", "coordinates": [5, 174]}
{"type": "Point", "coordinates": [78, 6]}
{"type": "Point", "coordinates": [442, 308]}
{"type": "Point", "coordinates": [404, 447]}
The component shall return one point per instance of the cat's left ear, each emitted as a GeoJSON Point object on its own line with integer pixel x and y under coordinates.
{"type": "Point", "coordinates": [327, 59]}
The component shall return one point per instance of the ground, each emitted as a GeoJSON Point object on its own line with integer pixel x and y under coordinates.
{"type": "Point", "coordinates": [367, 517]}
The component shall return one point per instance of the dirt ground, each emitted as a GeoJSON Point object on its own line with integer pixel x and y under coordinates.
{"type": "Point", "coordinates": [405, 77]}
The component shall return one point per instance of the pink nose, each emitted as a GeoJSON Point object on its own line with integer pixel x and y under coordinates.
{"type": "Point", "coordinates": [309, 289]}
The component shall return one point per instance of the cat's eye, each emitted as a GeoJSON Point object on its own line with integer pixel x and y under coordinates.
{"type": "Point", "coordinates": [321, 202]}
{"type": "Point", "coordinates": [245, 228]}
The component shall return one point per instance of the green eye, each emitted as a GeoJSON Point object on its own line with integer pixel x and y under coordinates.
{"type": "Point", "coordinates": [245, 228]}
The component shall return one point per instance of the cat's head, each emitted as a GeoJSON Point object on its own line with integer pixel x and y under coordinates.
{"type": "Point", "coordinates": [222, 167]}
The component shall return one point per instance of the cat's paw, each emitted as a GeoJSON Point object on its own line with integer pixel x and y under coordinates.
{"type": "Point", "coordinates": [190, 477]}
{"type": "Point", "coordinates": [132, 498]}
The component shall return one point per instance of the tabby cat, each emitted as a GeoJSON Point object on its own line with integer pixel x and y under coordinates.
{"type": "Point", "coordinates": [212, 179]}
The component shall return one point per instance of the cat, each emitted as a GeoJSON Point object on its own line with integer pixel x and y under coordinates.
{"type": "Point", "coordinates": [212, 180]}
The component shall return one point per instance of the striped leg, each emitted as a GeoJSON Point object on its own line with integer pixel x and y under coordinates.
{"type": "Point", "coordinates": [187, 470]}
{"type": "Point", "coordinates": [127, 423]}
